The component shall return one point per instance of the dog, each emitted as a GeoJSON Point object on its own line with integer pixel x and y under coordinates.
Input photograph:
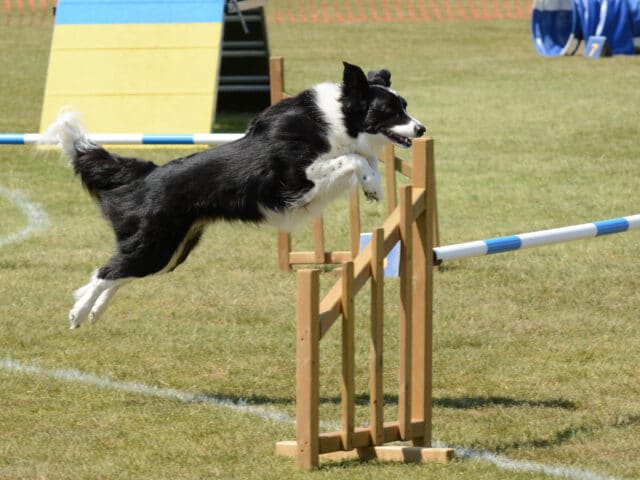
{"type": "Point", "coordinates": [295, 158]}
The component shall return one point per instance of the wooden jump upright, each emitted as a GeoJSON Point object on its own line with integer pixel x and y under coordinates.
{"type": "Point", "coordinates": [319, 255]}
{"type": "Point", "coordinates": [411, 223]}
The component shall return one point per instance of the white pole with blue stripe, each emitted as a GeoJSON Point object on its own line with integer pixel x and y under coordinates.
{"type": "Point", "coordinates": [130, 138]}
{"type": "Point", "coordinates": [535, 239]}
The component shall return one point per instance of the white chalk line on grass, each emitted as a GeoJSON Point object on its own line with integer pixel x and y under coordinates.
{"type": "Point", "coordinates": [241, 406]}
{"type": "Point", "coordinates": [37, 218]}
{"type": "Point", "coordinates": [76, 376]}
{"type": "Point", "coordinates": [506, 463]}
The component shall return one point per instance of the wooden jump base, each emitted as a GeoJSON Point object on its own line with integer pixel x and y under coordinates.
{"type": "Point", "coordinates": [412, 223]}
{"type": "Point", "coordinates": [391, 164]}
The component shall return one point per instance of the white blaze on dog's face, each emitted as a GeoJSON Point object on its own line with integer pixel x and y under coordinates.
{"type": "Point", "coordinates": [387, 116]}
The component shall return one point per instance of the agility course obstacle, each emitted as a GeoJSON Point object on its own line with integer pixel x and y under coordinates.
{"type": "Point", "coordinates": [535, 239]}
{"type": "Point", "coordinates": [411, 223]}
{"type": "Point", "coordinates": [135, 65]}
{"type": "Point", "coordinates": [558, 26]}
{"type": "Point", "coordinates": [287, 257]}
{"type": "Point", "coordinates": [130, 138]}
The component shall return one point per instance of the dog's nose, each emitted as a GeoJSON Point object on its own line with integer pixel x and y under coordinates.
{"type": "Point", "coordinates": [420, 129]}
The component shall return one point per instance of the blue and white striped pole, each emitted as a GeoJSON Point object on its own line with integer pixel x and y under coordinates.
{"type": "Point", "coordinates": [130, 138]}
{"type": "Point", "coordinates": [535, 239]}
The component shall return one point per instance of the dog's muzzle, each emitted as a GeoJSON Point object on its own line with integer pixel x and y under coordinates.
{"type": "Point", "coordinates": [402, 135]}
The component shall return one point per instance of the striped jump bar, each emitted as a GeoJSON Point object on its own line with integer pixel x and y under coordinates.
{"type": "Point", "coordinates": [535, 239]}
{"type": "Point", "coordinates": [131, 138]}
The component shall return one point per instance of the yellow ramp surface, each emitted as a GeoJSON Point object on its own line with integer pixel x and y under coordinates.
{"type": "Point", "coordinates": [135, 77]}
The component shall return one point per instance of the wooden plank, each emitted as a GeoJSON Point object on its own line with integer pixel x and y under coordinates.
{"type": "Point", "coordinates": [406, 277]}
{"type": "Point", "coordinates": [348, 393]}
{"type": "Point", "coordinates": [332, 441]}
{"type": "Point", "coordinates": [330, 305]}
{"type": "Point", "coordinates": [389, 159]}
{"type": "Point", "coordinates": [287, 448]}
{"type": "Point", "coordinates": [284, 247]}
{"type": "Point", "coordinates": [276, 79]}
{"type": "Point", "coordinates": [418, 197]}
{"type": "Point", "coordinates": [422, 302]}
{"type": "Point", "coordinates": [362, 454]}
{"type": "Point", "coordinates": [404, 168]}
{"type": "Point", "coordinates": [423, 153]}
{"type": "Point", "coordinates": [383, 453]}
{"type": "Point", "coordinates": [413, 454]}
{"type": "Point", "coordinates": [297, 258]}
{"type": "Point", "coordinates": [276, 86]}
{"type": "Point", "coordinates": [376, 337]}
{"type": "Point", "coordinates": [395, 454]}
{"type": "Point", "coordinates": [318, 240]}
{"type": "Point", "coordinates": [431, 188]}
{"type": "Point", "coordinates": [354, 221]}
{"type": "Point", "coordinates": [308, 370]}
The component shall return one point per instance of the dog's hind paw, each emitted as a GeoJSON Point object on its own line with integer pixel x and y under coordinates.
{"type": "Point", "coordinates": [74, 321]}
{"type": "Point", "coordinates": [80, 311]}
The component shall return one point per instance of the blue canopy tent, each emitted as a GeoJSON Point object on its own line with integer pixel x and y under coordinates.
{"type": "Point", "coordinates": [558, 26]}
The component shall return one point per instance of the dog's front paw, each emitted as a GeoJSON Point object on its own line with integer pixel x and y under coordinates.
{"type": "Point", "coordinates": [371, 187]}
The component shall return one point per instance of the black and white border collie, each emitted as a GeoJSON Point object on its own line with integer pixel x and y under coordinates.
{"type": "Point", "coordinates": [295, 158]}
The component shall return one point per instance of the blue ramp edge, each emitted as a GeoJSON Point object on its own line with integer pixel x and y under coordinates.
{"type": "Point", "coordinates": [95, 12]}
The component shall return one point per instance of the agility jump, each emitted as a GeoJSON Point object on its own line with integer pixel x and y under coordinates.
{"type": "Point", "coordinates": [412, 224]}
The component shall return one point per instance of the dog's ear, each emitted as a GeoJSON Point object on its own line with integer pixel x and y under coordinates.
{"type": "Point", "coordinates": [380, 77]}
{"type": "Point", "coordinates": [355, 86]}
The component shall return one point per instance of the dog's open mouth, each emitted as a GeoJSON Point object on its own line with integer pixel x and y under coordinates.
{"type": "Point", "coordinates": [399, 140]}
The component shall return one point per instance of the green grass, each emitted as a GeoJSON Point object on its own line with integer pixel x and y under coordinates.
{"type": "Point", "coordinates": [535, 351]}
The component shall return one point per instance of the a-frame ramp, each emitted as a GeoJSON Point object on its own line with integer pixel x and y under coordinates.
{"type": "Point", "coordinates": [136, 65]}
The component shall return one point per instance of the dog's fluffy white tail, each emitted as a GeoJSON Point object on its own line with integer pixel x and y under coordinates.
{"type": "Point", "coordinates": [69, 133]}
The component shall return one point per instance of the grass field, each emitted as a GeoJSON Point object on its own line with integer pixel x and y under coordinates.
{"type": "Point", "coordinates": [536, 352]}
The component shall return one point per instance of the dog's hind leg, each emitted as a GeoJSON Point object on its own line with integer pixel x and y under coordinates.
{"type": "Point", "coordinates": [156, 255]}
{"type": "Point", "coordinates": [90, 294]}
{"type": "Point", "coordinates": [103, 300]}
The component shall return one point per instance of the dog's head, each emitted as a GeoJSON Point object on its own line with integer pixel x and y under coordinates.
{"type": "Point", "coordinates": [370, 106]}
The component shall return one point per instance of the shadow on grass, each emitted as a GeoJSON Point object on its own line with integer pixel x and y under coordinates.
{"type": "Point", "coordinates": [459, 403]}
{"type": "Point", "coordinates": [568, 434]}
{"type": "Point", "coordinates": [470, 403]}
{"type": "Point", "coordinates": [553, 439]}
